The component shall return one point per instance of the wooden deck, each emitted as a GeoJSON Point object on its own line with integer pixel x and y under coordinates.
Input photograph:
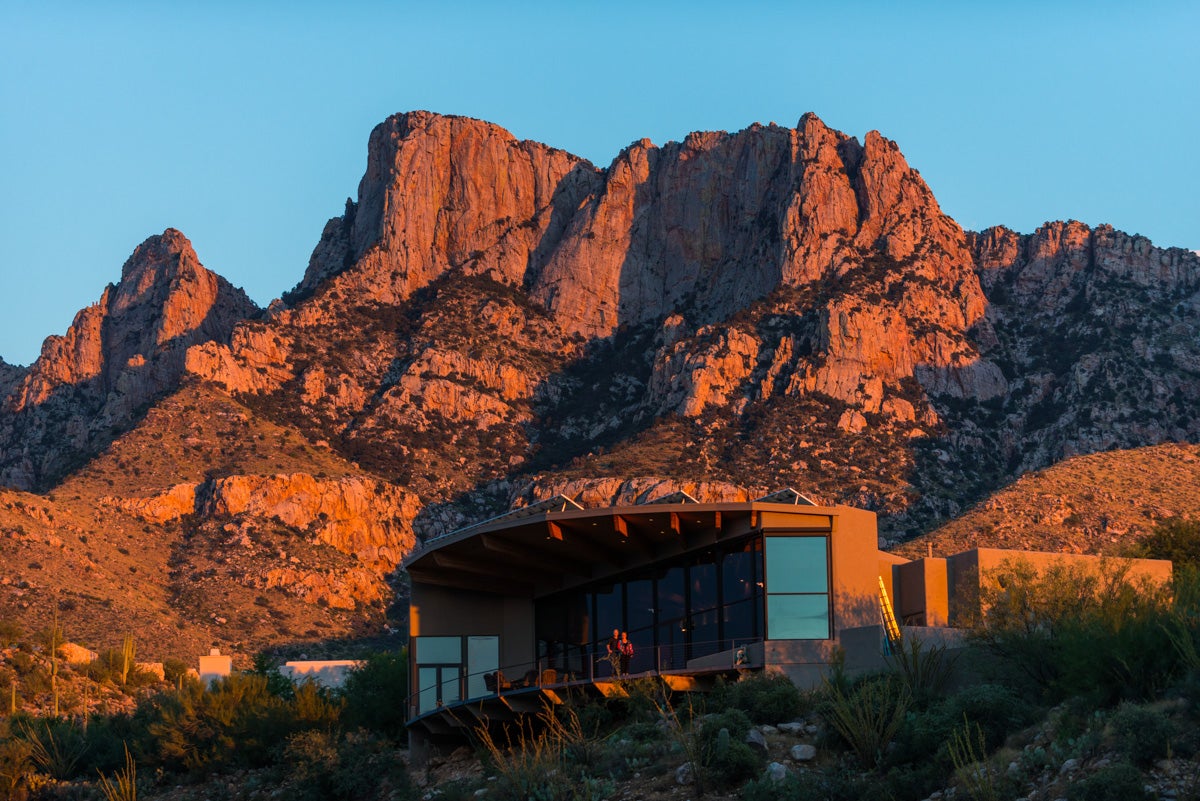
{"type": "Point", "coordinates": [461, 719]}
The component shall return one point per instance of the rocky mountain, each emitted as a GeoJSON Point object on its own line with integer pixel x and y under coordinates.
{"type": "Point", "coordinates": [90, 384]}
{"type": "Point", "coordinates": [493, 321]}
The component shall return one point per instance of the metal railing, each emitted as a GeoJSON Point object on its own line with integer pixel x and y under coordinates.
{"type": "Point", "coordinates": [594, 664]}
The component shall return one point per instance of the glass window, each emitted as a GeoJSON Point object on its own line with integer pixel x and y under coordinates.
{"type": "Point", "coordinates": [738, 579]}
{"type": "Point", "coordinates": [639, 603]}
{"type": "Point", "coordinates": [797, 564]}
{"type": "Point", "coordinates": [449, 685]}
{"type": "Point", "coordinates": [741, 623]}
{"type": "Point", "coordinates": [483, 656]}
{"type": "Point", "coordinates": [427, 689]}
{"type": "Point", "coordinates": [798, 617]}
{"type": "Point", "coordinates": [706, 633]}
{"type": "Point", "coordinates": [671, 602]}
{"type": "Point", "coordinates": [797, 570]}
{"type": "Point", "coordinates": [703, 578]}
{"type": "Point", "coordinates": [579, 616]}
{"type": "Point", "coordinates": [610, 607]}
{"type": "Point", "coordinates": [439, 650]}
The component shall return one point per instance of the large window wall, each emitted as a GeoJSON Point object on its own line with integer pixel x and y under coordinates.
{"type": "Point", "coordinates": [797, 587]}
{"type": "Point", "coordinates": [700, 604]}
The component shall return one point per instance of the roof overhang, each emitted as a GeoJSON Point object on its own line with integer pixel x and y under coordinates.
{"type": "Point", "coordinates": [552, 549]}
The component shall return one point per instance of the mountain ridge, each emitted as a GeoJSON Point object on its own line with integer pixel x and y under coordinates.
{"type": "Point", "coordinates": [494, 320]}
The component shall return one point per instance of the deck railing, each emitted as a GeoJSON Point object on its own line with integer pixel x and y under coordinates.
{"type": "Point", "coordinates": [597, 666]}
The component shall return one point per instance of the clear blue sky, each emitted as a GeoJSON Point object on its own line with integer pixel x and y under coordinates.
{"type": "Point", "coordinates": [245, 124]}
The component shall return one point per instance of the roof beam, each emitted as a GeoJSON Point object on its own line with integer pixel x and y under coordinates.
{"type": "Point", "coordinates": [640, 543]}
{"type": "Point", "coordinates": [471, 581]}
{"type": "Point", "coordinates": [536, 557]}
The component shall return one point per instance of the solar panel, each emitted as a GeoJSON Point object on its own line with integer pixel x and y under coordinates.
{"type": "Point", "coordinates": [788, 496]}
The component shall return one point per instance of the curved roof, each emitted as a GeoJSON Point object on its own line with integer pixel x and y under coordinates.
{"type": "Point", "coordinates": [558, 544]}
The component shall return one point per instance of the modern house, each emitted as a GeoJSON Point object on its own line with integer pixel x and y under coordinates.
{"type": "Point", "coordinates": [507, 612]}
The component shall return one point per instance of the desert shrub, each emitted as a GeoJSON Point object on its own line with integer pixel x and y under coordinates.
{"type": "Point", "coordinates": [925, 735]}
{"type": "Point", "coordinates": [122, 786]}
{"type": "Point", "coordinates": [1176, 539]}
{"type": "Point", "coordinates": [734, 720]}
{"type": "Point", "coordinates": [174, 670]}
{"type": "Point", "coordinates": [641, 732]}
{"type": "Point", "coordinates": [377, 692]}
{"type": "Point", "coordinates": [1120, 782]}
{"type": "Point", "coordinates": [724, 757]}
{"type": "Point", "coordinates": [357, 766]}
{"type": "Point", "coordinates": [534, 759]}
{"type": "Point", "coordinates": [23, 663]}
{"type": "Point", "coordinates": [236, 722]}
{"type": "Point", "coordinates": [1069, 631]}
{"type": "Point", "coordinates": [594, 716]}
{"type": "Point", "coordinates": [277, 683]}
{"type": "Point", "coordinates": [16, 765]}
{"type": "Point", "coordinates": [809, 785]}
{"type": "Point", "coordinates": [56, 745]}
{"type": "Point", "coordinates": [923, 668]}
{"type": "Point", "coordinates": [1144, 733]}
{"type": "Point", "coordinates": [867, 716]}
{"type": "Point", "coordinates": [766, 698]}
{"type": "Point", "coordinates": [10, 632]}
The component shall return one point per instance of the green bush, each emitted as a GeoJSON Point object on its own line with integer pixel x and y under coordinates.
{"type": "Point", "coordinates": [925, 669]}
{"type": "Point", "coordinates": [732, 764]}
{"type": "Point", "coordinates": [867, 716]}
{"type": "Point", "coordinates": [641, 732]}
{"type": "Point", "coordinates": [997, 710]}
{"type": "Point", "coordinates": [236, 722]}
{"type": "Point", "coordinates": [1145, 734]}
{"type": "Point", "coordinates": [1176, 538]}
{"type": "Point", "coordinates": [766, 698]}
{"type": "Point", "coordinates": [824, 785]}
{"type": "Point", "coordinates": [376, 693]}
{"type": "Point", "coordinates": [56, 745]}
{"type": "Point", "coordinates": [174, 670]}
{"type": "Point", "coordinates": [1069, 631]}
{"type": "Point", "coordinates": [16, 765]}
{"type": "Point", "coordinates": [1118, 782]}
{"type": "Point", "coordinates": [357, 766]}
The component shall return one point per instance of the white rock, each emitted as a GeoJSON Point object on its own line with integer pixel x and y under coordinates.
{"type": "Point", "coordinates": [804, 752]}
{"type": "Point", "coordinates": [776, 772]}
{"type": "Point", "coordinates": [791, 728]}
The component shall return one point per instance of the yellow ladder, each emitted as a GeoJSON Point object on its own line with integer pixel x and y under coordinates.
{"type": "Point", "coordinates": [889, 617]}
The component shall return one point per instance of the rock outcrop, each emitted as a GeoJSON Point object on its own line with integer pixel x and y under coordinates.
{"type": "Point", "coordinates": [10, 376]}
{"type": "Point", "coordinates": [118, 354]}
{"type": "Point", "coordinates": [365, 518]}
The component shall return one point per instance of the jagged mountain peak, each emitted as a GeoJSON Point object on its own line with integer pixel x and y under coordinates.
{"type": "Point", "coordinates": [118, 353]}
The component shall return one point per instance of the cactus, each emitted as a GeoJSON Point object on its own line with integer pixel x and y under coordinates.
{"type": "Point", "coordinates": [722, 743]}
{"type": "Point", "coordinates": [128, 653]}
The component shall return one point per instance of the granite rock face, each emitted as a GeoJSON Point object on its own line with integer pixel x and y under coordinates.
{"type": "Point", "coordinates": [694, 231]}
{"type": "Point", "coordinates": [733, 313]}
{"type": "Point", "coordinates": [118, 355]}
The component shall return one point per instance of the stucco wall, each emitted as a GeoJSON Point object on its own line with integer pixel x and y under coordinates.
{"type": "Point", "coordinates": [438, 611]}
